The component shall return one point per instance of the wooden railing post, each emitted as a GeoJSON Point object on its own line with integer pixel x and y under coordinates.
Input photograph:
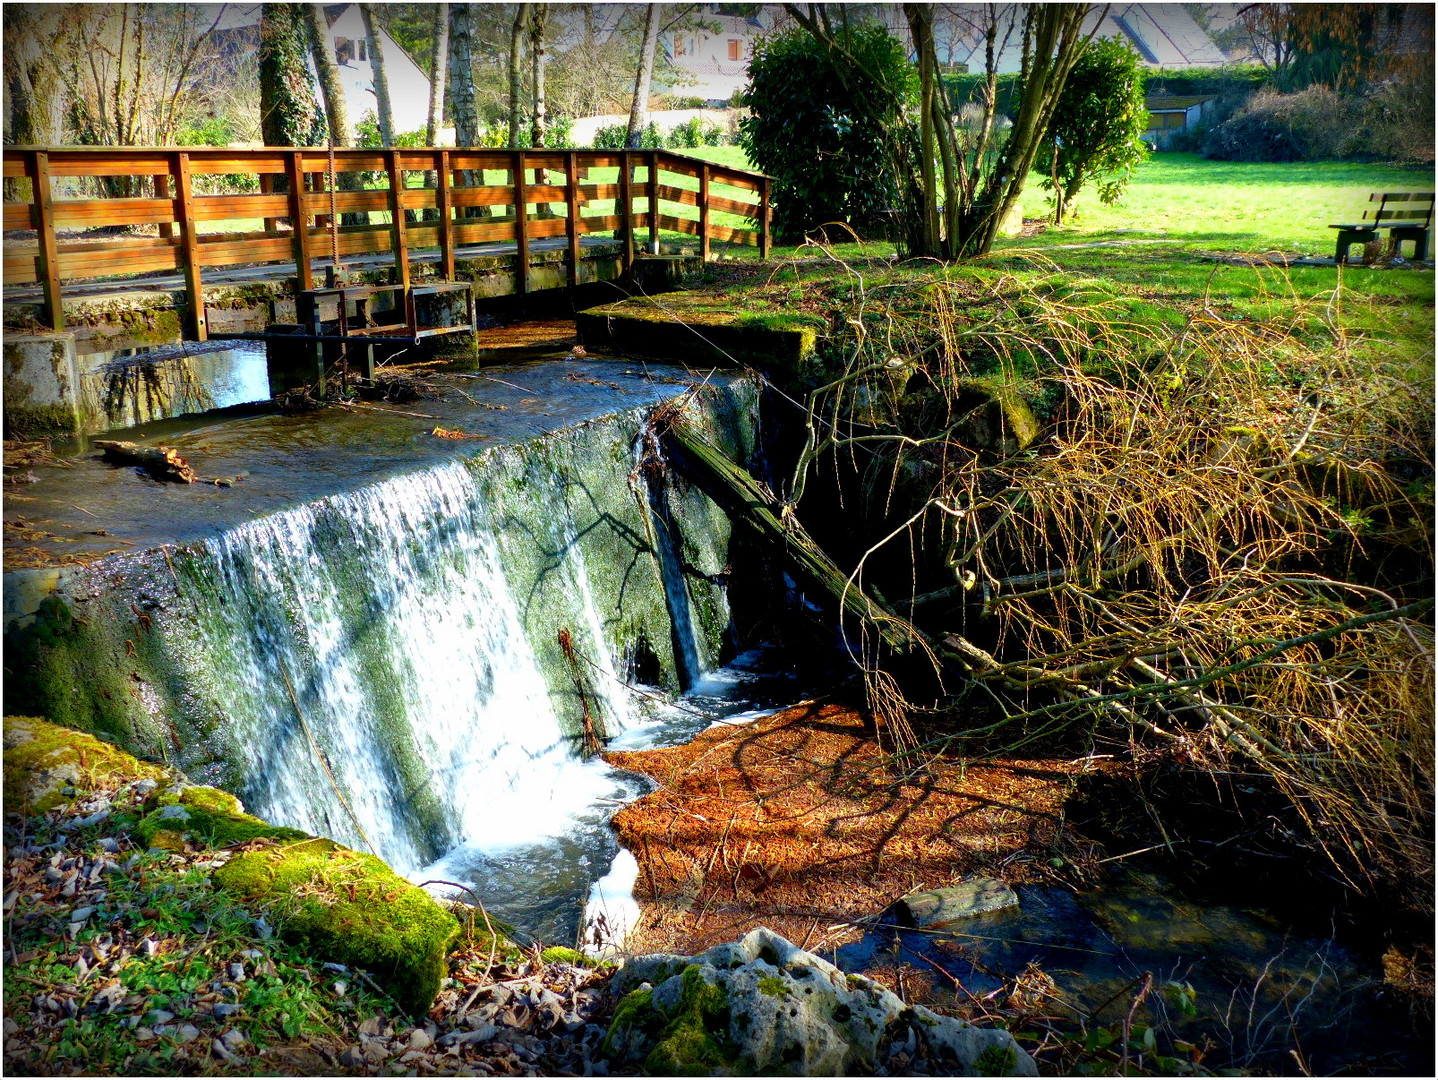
{"type": "Point", "coordinates": [571, 225]}
{"type": "Point", "coordinates": [267, 187]}
{"type": "Point", "coordinates": [446, 216]}
{"type": "Point", "coordinates": [626, 209]}
{"type": "Point", "coordinates": [189, 245]}
{"type": "Point", "coordinates": [766, 239]}
{"type": "Point", "coordinates": [704, 212]}
{"type": "Point", "coordinates": [37, 164]}
{"type": "Point", "coordinates": [521, 226]}
{"type": "Point", "coordinates": [304, 274]}
{"type": "Point", "coordinates": [162, 191]}
{"type": "Point", "coordinates": [396, 214]}
{"type": "Point", "coordinates": [653, 194]}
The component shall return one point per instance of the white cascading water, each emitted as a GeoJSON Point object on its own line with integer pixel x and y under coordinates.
{"type": "Point", "coordinates": [418, 674]}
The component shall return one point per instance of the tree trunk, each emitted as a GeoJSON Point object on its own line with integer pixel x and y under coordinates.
{"type": "Point", "coordinates": [437, 57]}
{"type": "Point", "coordinates": [336, 109]}
{"type": "Point", "coordinates": [539, 58]}
{"type": "Point", "coordinates": [1052, 42]}
{"type": "Point", "coordinates": [438, 54]}
{"type": "Point", "coordinates": [289, 113]}
{"type": "Point", "coordinates": [516, 74]}
{"type": "Point", "coordinates": [639, 110]}
{"type": "Point", "coordinates": [384, 113]}
{"type": "Point", "coordinates": [463, 110]}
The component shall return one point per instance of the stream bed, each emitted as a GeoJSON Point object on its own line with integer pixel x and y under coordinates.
{"type": "Point", "coordinates": [564, 865]}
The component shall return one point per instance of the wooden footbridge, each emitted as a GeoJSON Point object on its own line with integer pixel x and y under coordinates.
{"type": "Point", "coordinates": [122, 218]}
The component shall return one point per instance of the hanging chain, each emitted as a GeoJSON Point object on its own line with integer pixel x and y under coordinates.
{"type": "Point", "coordinates": [334, 216]}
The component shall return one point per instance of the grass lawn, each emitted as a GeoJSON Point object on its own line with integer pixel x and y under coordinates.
{"type": "Point", "coordinates": [1233, 206]}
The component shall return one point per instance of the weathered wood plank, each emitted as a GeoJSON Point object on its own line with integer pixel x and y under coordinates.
{"type": "Point", "coordinates": [678, 224]}
{"type": "Point", "coordinates": [47, 265]}
{"type": "Point", "coordinates": [189, 258]}
{"type": "Point", "coordinates": [17, 216]}
{"type": "Point", "coordinates": [21, 266]}
{"type": "Point", "coordinates": [571, 221]}
{"type": "Point", "coordinates": [625, 208]}
{"type": "Point", "coordinates": [446, 218]}
{"type": "Point", "coordinates": [704, 213]}
{"type": "Point", "coordinates": [679, 195]}
{"type": "Point", "coordinates": [521, 220]}
{"type": "Point", "coordinates": [300, 234]}
{"type": "Point", "coordinates": [82, 263]}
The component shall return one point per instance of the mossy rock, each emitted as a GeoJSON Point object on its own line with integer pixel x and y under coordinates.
{"type": "Point", "coordinates": [352, 909]}
{"type": "Point", "coordinates": [689, 1029]}
{"type": "Point", "coordinates": [47, 765]}
{"type": "Point", "coordinates": [999, 419]}
{"type": "Point", "coordinates": [562, 954]}
{"type": "Point", "coordinates": [208, 816]}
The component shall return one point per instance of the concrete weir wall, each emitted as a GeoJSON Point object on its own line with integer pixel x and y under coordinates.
{"type": "Point", "coordinates": [51, 389]}
{"type": "Point", "coordinates": [386, 623]}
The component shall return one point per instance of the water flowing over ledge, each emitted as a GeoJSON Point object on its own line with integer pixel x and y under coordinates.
{"type": "Point", "coordinates": [383, 663]}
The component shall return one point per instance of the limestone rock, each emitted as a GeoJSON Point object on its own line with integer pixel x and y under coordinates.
{"type": "Point", "coordinates": [762, 1006]}
{"type": "Point", "coordinates": [352, 909]}
{"type": "Point", "coordinates": [46, 765]}
{"type": "Point", "coordinates": [193, 813]}
{"type": "Point", "coordinates": [936, 909]}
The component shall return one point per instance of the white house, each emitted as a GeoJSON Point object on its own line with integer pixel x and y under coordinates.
{"type": "Point", "coordinates": [346, 42]}
{"type": "Point", "coordinates": [713, 64]}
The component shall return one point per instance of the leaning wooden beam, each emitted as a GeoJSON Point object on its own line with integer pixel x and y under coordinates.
{"type": "Point", "coordinates": [751, 502]}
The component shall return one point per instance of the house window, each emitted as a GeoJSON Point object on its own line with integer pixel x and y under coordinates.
{"type": "Point", "coordinates": [361, 49]}
{"type": "Point", "coordinates": [733, 48]}
{"type": "Point", "coordinates": [679, 49]}
{"type": "Point", "coordinates": [344, 50]}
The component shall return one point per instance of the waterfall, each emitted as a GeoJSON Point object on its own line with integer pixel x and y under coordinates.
{"type": "Point", "coordinates": [384, 666]}
{"type": "Point", "coordinates": [406, 665]}
{"type": "Point", "coordinates": [381, 680]}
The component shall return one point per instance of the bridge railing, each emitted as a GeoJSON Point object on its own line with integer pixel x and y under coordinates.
{"type": "Point", "coordinates": [82, 204]}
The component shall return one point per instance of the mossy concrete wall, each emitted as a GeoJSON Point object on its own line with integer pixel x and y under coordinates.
{"type": "Point", "coordinates": [161, 651]}
{"type": "Point", "coordinates": [687, 335]}
{"type": "Point", "coordinates": [41, 386]}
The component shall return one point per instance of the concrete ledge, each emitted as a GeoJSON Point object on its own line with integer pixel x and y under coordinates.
{"type": "Point", "coordinates": [682, 331]}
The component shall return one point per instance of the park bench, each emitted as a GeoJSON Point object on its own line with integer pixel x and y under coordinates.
{"type": "Point", "coordinates": [1407, 215]}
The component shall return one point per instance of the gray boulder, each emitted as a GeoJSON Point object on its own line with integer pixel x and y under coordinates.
{"type": "Point", "coordinates": [938, 909]}
{"type": "Point", "coordinates": [762, 1006]}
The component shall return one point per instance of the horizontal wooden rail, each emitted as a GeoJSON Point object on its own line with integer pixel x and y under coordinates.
{"type": "Point", "coordinates": [78, 194]}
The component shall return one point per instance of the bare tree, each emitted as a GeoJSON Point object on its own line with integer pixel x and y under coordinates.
{"type": "Point", "coordinates": [639, 111]}
{"type": "Point", "coordinates": [516, 76]}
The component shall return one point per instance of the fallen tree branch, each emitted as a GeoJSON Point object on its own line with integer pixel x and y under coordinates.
{"type": "Point", "coordinates": [161, 462]}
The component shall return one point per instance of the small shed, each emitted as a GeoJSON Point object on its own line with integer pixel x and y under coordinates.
{"type": "Point", "coordinates": [1170, 114]}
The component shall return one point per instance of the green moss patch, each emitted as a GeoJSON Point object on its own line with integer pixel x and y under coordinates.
{"type": "Point", "coordinates": [47, 765]}
{"type": "Point", "coordinates": [691, 1037]}
{"type": "Point", "coordinates": [351, 909]}
{"type": "Point", "coordinates": [205, 815]}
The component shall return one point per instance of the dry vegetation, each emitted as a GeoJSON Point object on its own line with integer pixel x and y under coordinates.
{"type": "Point", "coordinates": [1219, 545]}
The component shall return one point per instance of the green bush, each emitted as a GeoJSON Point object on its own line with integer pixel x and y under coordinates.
{"type": "Point", "coordinates": [1098, 125]}
{"type": "Point", "coordinates": [828, 136]}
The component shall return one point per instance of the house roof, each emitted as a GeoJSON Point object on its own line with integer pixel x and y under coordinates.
{"type": "Point", "coordinates": [1165, 34]}
{"type": "Point", "coordinates": [1174, 102]}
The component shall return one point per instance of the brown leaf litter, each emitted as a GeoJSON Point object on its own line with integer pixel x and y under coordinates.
{"type": "Point", "coordinates": [799, 822]}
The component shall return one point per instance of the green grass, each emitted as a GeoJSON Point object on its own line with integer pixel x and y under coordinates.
{"type": "Point", "coordinates": [1233, 206]}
